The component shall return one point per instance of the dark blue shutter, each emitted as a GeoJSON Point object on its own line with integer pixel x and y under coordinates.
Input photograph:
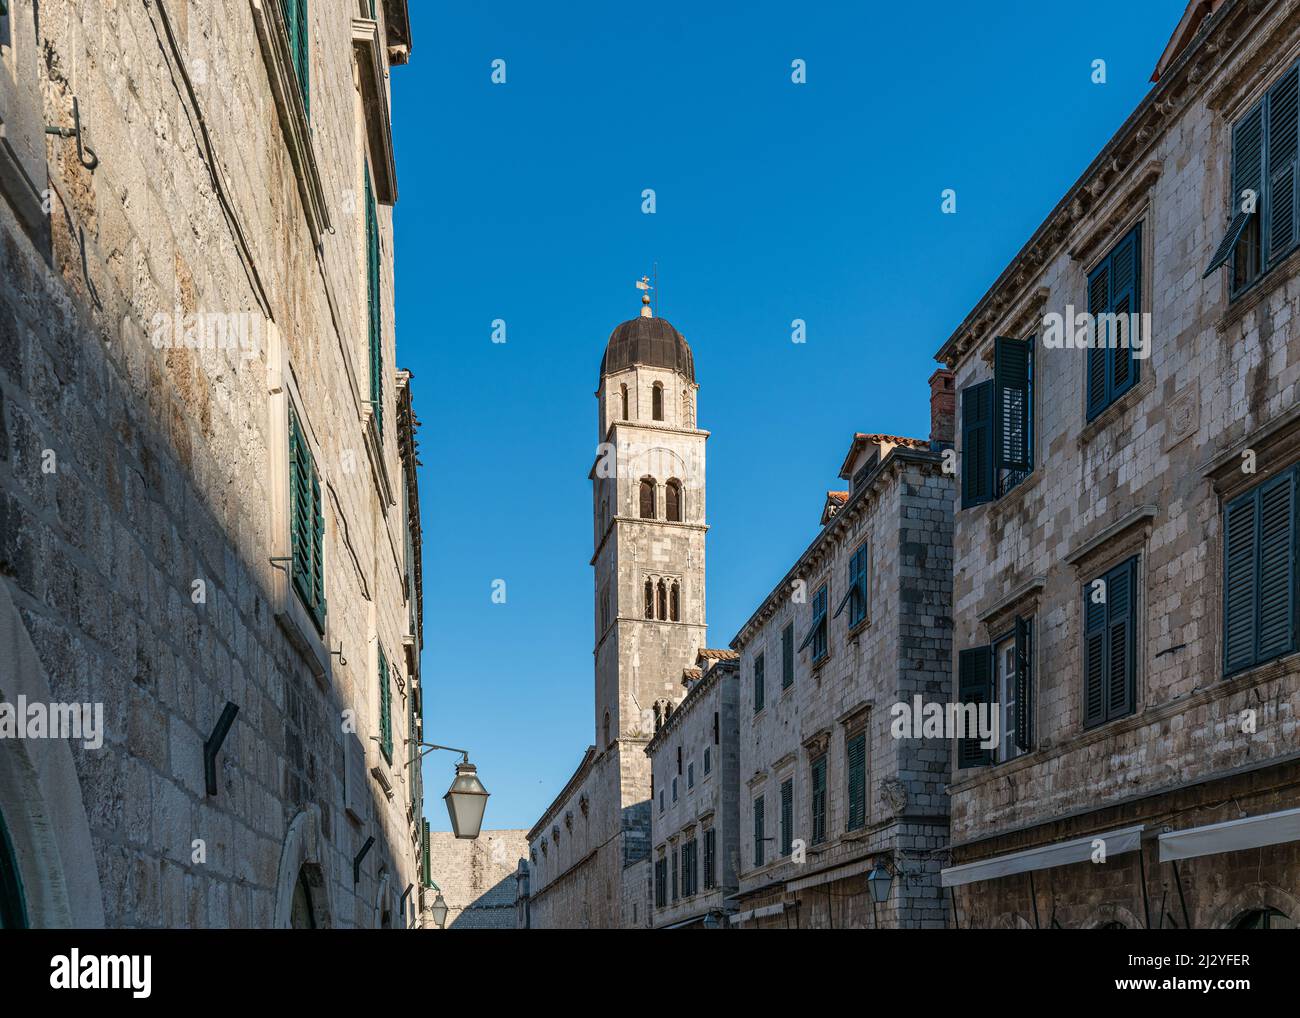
{"type": "Point", "coordinates": [1094, 658]}
{"type": "Point", "coordinates": [1281, 217]}
{"type": "Point", "coordinates": [1125, 282]}
{"type": "Point", "coordinates": [1023, 684]}
{"type": "Point", "coordinates": [758, 831]}
{"type": "Point", "coordinates": [857, 785]}
{"type": "Point", "coordinates": [1277, 550]}
{"type": "Point", "coordinates": [1098, 304]}
{"type": "Point", "coordinates": [1012, 403]}
{"type": "Point", "coordinates": [976, 444]}
{"type": "Point", "coordinates": [1248, 175]}
{"type": "Point", "coordinates": [787, 656]}
{"type": "Point", "coordinates": [787, 816]}
{"type": "Point", "coordinates": [1121, 616]}
{"type": "Point", "coordinates": [974, 686]}
{"type": "Point", "coordinates": [1240, 555]}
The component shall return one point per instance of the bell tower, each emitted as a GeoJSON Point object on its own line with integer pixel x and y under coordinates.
{"type": "Point", "coordinates": [649, 529]}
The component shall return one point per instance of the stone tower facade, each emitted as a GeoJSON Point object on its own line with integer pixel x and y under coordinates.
{"type": "Point", "coordinates": [648, 510]}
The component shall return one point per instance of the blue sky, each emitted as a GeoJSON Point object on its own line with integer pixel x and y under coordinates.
{"type": "Point", "coordinates": [775, 201]}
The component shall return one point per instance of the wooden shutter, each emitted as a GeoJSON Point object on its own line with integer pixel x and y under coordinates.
{"type": "Point", "coordinates": [1094, 658]}
{"type": "Point", "coordinates": [1098, 304]}
{"type": "Point", "coordinates": [819, 800]}
{"type": "Point", "coordinates": [426, 873]}
{"type": "Point", "coordinates": [787, 656]}
{"type": "Point", "coordinates": [1280, 215]}
{"type": "Point", "coordinates": [373, 294]}
{"type": "Point", "coordinates": [1277, 550]}
{"type": "Point", "coordinates": [1125, 280]}
{"type": "Point", "coordinates": [1121, 616]}
{"type": "Point", "coordinates": [1012, 404]}
{"type": "Point", "coordinates": [758, 831]}
{"type": "Point", "coordinates": [295, 19]}
{"type": "Point", "coordinates": [317, 551]}
{"type": "Point", "coordinates": [1024, 685]}
{"type": "Point", "coordinates": [976, 444]}
{"type": "Point", "coordinates": [974, 686]}
{"type": "Point", "coordinates": [385, 709]}
{"type": "Point", "coordinates": [759, 690]}
{"type": "Point", "coordinates": [1240, 555]}
{"type": "Point", "coordinates": [787, 817]}
{"type": "Point", "coordinates": [857, 784]}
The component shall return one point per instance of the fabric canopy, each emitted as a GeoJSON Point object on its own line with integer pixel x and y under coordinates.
{"type": "Point", "coordinates": [1231, 836]}
{"type": "Point", "coordinates": [1126, 839]}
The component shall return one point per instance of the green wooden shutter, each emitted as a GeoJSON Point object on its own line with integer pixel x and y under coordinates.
{"type": "Point", "coordinates": [1012, 403]}
{"type": "Point", "coordinates": [426, 872]}
{"type": "Point", "coordinates": [1121, 618]}
{"type": "Point", "coordinates": [317, 551]}
{"type": "Point", "coordinates": [1125, 299]}
{"type": "Point", "coordinates": [787, 816]}
{"type": "Point", "coordinates": [1240, 556]}
{"type": "Point", "coordinates": [857, 784]}
{"type": "Point", "coordinates": [974, 686]}
{"type": "Point", "coordinates": [759, 680]}
{"type": "Point", "coordinates": [295, 19]}
{"type": "Point", "coordinates": [1277, 567]}
{"type": "Point", "coordinates": [1094, 658]}
{"type": "Point", "coordinates": [1280, 212]}
{"type": "Point", "coordinates": [976, 444]}
{"type": "Point", "coordinates": [385, 709]}
{"type": "Point", "coordinates": [819, 800]}
{"type": "Point", "coordinates": [373, 298]}
{"type": "Point", "coordinates": [1098, 304]}
{"type": "Point", "coordinates": [1023, 684]}
{"type": "Point", "coordinates": [758, 831]}
{"type": "Point", "coordinates": [787, 656]}
{"type": "Point", "coordinates": [306, 525]}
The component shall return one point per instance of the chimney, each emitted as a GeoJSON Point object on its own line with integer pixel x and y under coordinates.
{"type": "Point", "coordinates": [943, 409]}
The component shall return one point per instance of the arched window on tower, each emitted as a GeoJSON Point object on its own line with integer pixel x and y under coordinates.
{"type": "Point", "coordinates": [673, 500]}
{"type": "Point", "coordinates": [663, 601]}
{"type": "Point", "coordinates": [649, 599]}
{"type": "Point", "coordinates": [647, 498]}
{"type": "Point", "coordinates": [675, 603]}
{"type": "Point", "coordinates": [657, 401]}
{"type": "Point", "coordinates": [623, 389]}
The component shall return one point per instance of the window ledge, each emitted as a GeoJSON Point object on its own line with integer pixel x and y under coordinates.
{"type": "Point", "coordinates": [857, 629]}
{"type": "Point", "coordinates": [1120, 407]}
{"type": "Point", "coordinates": [1251, 297]}
{"type": "Point", "coordinates": [1011, 499]}
{"type": "Point", "coordinates": [273, 35]}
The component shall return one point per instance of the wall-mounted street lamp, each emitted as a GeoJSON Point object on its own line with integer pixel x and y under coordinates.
{"type": "Point", "coordinates": [466, 799]}
{"type": "Point", "coordinates": [438, 910]}
{"type": "Point", "coordinates": [880, 881]}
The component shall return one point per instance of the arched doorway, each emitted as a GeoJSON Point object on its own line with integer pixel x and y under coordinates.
{"type": "Point", "coordinates": [302, 899]}
{"type": "Point", "coordinates": [1264, 919]}
{"type": "Point", "coordinates": [302, 914]}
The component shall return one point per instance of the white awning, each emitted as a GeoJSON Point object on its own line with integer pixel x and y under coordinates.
{"type": "Point", "coordinates": [826, 876]}
{"type": "Point", "coordinates": [1231, 836]}
{"type": "Point", "coordinates": [1044, 857]}
{"type": "Point", "coordinates": [757, 913]}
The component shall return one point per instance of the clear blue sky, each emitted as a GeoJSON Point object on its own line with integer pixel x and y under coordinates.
{"type": "Point", "coordinates": [776, 201]}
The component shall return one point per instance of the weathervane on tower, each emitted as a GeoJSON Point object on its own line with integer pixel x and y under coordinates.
{"type": "Point", "coordinates": [646, 284]}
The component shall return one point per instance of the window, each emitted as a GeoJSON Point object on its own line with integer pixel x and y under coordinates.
{"type": "Point", "coordinates": [295, 19]}
{"type": "Point", "coordinates": [759, 838]}
{"type": "Point", "coordinates": [708, 763]}
{"type": "Point", "coordinates": [657, 402]}
{"type": "Point", "coordinates": [385, 709]}
{"type": "Point", "coordinates": [1260, 573]}
{"type": "Point", "coordinates": [690, 774]}
{"type": "Point", "coordinates": [1012, 661]}
{"type": "Point", "coordinates": [1109, 635]}
{"type": "Point", "coordinates": [674, 789]}
{"type": "Point", "coordinates": [855, 595]}
{"type": "Point", "coordinates": [717, 731]}
{"type": "Point", "coordinates": [787, 656]}
{"type": "Point", "coordinates": [997, 425]}
{"type": "Point", "coordinates": [675, 602]}
{"type": "Point", "coordinates": [690, 868]}
{"type": "Point", "coordinates": [661, 800]}
{"type": "Point", "coordinates": [306, 525]}
{"type": "Point", "coordinates": [674, 857]}
{"type": "Point", "coordinates": [710, 858]}
{"type": "Point", "coordinates": [673, 500]}
{"type": "Point", "coordinates": [662, 591]}
{"type": "Point", "coordinates": [649, 599]}
{"type": "Point", "coordinates": [759, 682]}
{"type": "Point", "coordinates": [856, 791]}
{"type": "Point", "coordinates": [373, 297]}
{"type": "Point", "coordinates": [623, 395]}
{"type": "Point", "coordinates": [974, 690]}
{"type": "Point", "coordinates": [679, 760]}
{"type": "Point", "coordinates": [647, 498]}
{"type": "Point", "coordinates": [817, 631]}
{"type": "Point", "coordinates": [1114, 293]}
{"type": "Point", "coordinates": [787, 816]}
{"type": "Point", "coordinates": [661, 882]}
{"type": "Point", "coordinates": [1265, 225]}
{"type": "Point", "coordinates": [818, 782]}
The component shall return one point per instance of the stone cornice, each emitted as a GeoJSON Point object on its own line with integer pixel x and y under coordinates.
{"type": "Point", "coordinates": [1108, 172]}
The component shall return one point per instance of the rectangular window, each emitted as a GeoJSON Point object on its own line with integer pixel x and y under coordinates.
{"type": "Point", "coordinates": [1264, 226]}
{"type": "Point", "coordinates": [787, 816]}
{"type": "Point", "coordinates": [974, 689]}
{"type": "Point", "coordinates": [661, 882]}
{"type": "Point", "coordinates": [977, 444]}
{"type": "Point", "coordinates": [674, 789]}
{"type": "Point", "coordinates": [306, 525]}
{"type": "Point", "coordinates": [818, 783]}
{"type": "Point", "coordinates": [1012, 659]}
{"type": "Point", "coordinates": [759, 833]}
{"type": "Point", "coordinates": [856, 791]}
{"type": "Point", "coordinates": [708, 763]}
{"type": "Point", "coordinates": [855, 593]}
{"type": "Point", "coordinates": [690, 868]}
{"type": "Point", "coordinates": [1109, 638]}
{"type": "Point", "coordinates": [816, 637]}
{"type": "Point", "coordinates": [295, 20]}
{"type": "Point", "coordinates": [661, 800]}
{"type": "Point", "coordinates": [690, 774]}
{"type": "Point", "coordinates": [787, 656]}
{"type": "Point", "coordinates": [385, 709]}
{"type": "Point", "coordinates": [1114, 293]}
{"type": "Point", "coordinates": [710, 858]}
{"type": "Point", "coordinates": [1260, 573]}
{"type": "Point", "coordinates": [374, 295]}
{"type": "Point", "coordinates": [759, 682]}
{"type": "Point", "coordinates": [675, 866]}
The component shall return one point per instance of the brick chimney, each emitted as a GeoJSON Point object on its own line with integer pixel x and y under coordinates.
{"type": "Point", "coordinates": [943, 409]}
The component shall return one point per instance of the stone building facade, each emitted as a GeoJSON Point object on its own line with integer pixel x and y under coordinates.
{"type": "Point", "coordinates": [861, 622]}
{"type": "Point", "coordinates": [694, 805]}
{"type": "Point", "coordinates": [648, 514]}
{"type": "Point", "coordinates": [1125, 581]}
{"type": "Point", "coordinates": [208, 494]}
{"type": "Point", "coordinates": [478, 878]}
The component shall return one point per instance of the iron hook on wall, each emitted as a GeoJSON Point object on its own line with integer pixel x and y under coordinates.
{"type": "Point", "coordinates": [85, 153]}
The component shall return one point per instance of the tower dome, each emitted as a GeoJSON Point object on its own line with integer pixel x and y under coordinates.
{"type": "Point", "coordinates": [652, 342]}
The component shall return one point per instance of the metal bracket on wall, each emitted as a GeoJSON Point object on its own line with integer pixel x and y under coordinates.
{"type": "Point", "coordinates": [401, 906]}
{"type": "Point", "coordinates": [356, 863]}
{"type": "Point", "coordinates": [213, 746]}
{"type": "Point", "coordinates": [85, 153]}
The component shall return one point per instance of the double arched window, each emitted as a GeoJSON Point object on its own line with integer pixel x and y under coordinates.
{"type": "Point", "coordinates": [673, 500]}
{"type": "Point", "coordinates": [647, 498]}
